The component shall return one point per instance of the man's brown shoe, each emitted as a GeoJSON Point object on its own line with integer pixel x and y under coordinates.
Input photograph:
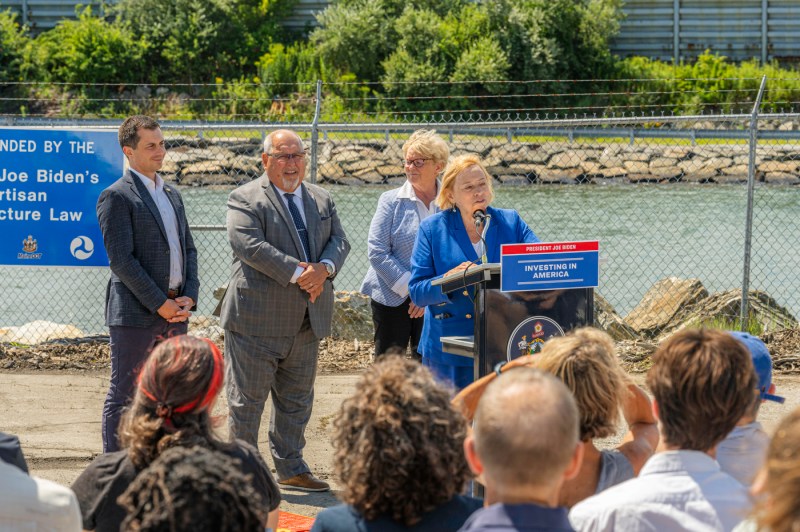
{"type": "Point", "coordinates": [304, 482]}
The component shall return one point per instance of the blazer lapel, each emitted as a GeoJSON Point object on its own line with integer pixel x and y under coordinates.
{"type": "Point", "coordinates": [280, 207]}
{"type": "Point", "coordinates": [312, 221]}
{"type": "Point", "coordinates": [458, 230]}
{"type": "Point", "coordinates": [176, 206]}
{"type": "Point", "coordinates": [491, 238]}
{"type": "Point", "coordinates": [140, 190]}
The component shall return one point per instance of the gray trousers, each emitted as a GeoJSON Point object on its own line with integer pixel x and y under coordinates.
{"type": "Point", "coordinates": [285, 367]}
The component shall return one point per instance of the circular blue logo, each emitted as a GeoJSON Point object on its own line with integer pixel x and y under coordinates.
{"type": "Point", "coordinates": [530, 335]}
{"type": "Point", "coordinates": [81, 247]}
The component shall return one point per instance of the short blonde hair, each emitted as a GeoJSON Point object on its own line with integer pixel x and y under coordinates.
{"type": "Point", "coordinates": [455, 167]}
{"type": "Point", "coordinates": [428, 144]}
{"type": "Point", "coordinates": [585, 361]}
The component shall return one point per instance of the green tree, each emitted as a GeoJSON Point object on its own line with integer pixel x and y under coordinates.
{"type": "Point", "coordinates": [86, 50]}
{"type": "Point", "coordinates": [13, 41]}
{"type": "Point", "coordinates": [200, 40]}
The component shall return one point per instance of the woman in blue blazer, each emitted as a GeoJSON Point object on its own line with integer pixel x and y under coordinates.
{"type": "Point", "coordinates": [392, 233]}
{"type": "Point", "coordinates": [449, 242]}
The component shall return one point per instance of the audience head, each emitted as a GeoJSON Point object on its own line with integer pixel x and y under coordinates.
{"type": "Point", "coordinates": [586, 363]}
{"type": "Point", "coordinates": [525, 433]}
{"type": "Point", "coordinates": [779, 480]}
{"type": "Point", "coordinates": [177, 387]}
{"type": "Point", "coordinates": [762, 362]}
{"type": "Point", "coordinates": [398, 443]}
{"type": "Point", "coordinates": [703, 382]}
{"type": "Point", "coordinates": [426, 144]}
{"type": "Point", "coordinates": [192, 489]}
{"type": "Point", "coordinates": [457, 166]}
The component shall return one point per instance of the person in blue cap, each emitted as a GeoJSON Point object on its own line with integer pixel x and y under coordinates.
{"type": "Point", "coordinates": [742, 452]}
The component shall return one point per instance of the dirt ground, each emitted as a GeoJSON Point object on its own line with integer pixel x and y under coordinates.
{"type": "Point", "coordinates": [52, 399]}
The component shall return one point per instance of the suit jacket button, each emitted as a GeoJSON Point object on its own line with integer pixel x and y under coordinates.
{"type": "Point", "coordinates": [466, 292]}
{"type": "Point", "coordinates": [469, 316]}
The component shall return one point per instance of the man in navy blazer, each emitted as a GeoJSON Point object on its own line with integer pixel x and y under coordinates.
{"type": "Point", "coordinates": [153, 260]}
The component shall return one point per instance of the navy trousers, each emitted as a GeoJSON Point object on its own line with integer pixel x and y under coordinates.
{"type": "Point", "coordinates": [130, 347]}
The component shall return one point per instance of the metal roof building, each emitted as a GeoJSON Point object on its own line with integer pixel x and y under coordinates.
{"type": "Point", "coordinates": [660, 29]}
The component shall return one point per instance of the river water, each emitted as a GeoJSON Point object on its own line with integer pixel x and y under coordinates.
{"type": "Point", "coordinates": [646, 233]}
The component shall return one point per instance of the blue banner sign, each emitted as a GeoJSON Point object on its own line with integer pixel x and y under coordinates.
{"type": "Point", "coordinates": [549, 266]}
{"type": "Point", "coordinates": [50, 180]}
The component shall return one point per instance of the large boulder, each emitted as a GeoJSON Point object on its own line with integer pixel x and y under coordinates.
{"type": "Point", "coordinates": [352, 316]}
{"type": "Point", "coordinates": [665, 305]}
{"type": "Point", "coordinates": [607, 319]}
{"type": "Point", "coordinates": [723, 310]}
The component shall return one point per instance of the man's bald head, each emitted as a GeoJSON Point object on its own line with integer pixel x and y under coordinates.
{"type": "Point", "coordinates": [526, 428]}
{"type": "Point", "coordinates": [284, 159]}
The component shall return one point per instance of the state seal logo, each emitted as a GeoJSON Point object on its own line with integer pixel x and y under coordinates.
{"type": "Point", "coordinates": [29, 245]}
{"type": "Point", "coordinates": [538, 329]}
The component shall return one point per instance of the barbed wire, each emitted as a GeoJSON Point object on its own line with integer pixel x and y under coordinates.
{"type": "Point", "coordinates": [537, 95]}
{"type": "Point", "coordinates": [385, 83]}
{"type": "Point", "coordinates": [535, 81]}
{"type": "Point", "coordinates": [543, 109]}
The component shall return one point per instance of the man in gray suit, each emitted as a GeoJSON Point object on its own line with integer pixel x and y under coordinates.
{"type": "Point", "coordinates": [287, 245]}
{"type": "Point", "coordinates": [154, 284]}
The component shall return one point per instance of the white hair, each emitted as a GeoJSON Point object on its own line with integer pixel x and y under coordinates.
{"type": "Point", "coordinates": [268, 140]}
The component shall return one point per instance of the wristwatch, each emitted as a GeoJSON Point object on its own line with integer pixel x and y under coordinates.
{"type": "Point", "coordinates": [329, 268]}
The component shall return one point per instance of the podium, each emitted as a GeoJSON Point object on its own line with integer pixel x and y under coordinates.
{"type": "Point", "coordinates": [511, 324]}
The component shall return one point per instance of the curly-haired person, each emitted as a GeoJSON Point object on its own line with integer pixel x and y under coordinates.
{"type": "Point", "coordinates": [193, 488]}
{"type": "Point", "coordinates": [398, 454]}
{"type": "Point", "coordinates": [177, 388]}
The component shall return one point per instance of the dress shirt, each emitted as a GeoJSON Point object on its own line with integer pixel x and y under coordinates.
{"type": "Point", "coordinates": [31, 503]}
{"type": "Point", "coordinates": [170, 220]}
{"type": "Point", "coordinates": [424, 211]}
{"type": "Point", "coordinates": [741, 454]}
{"type": "Point", "coordinates": [297, 197]}
{"type": "Point", "coordinates": [675, 490]}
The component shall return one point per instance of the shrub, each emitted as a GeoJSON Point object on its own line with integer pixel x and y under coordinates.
{"type": "Point", "coordinates": [85, 51]}
{"type": "Point", "coordinates": [13, 40]}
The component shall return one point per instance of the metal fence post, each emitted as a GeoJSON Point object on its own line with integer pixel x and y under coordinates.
{"type": "Point", "coordinates": [315, 133]}
{"type": "Point", "coordinates": [676, 31]}
{"type": "Point", "coordinates": [748, 225]}
{"type": "Point", "coordinates": [764, 31]}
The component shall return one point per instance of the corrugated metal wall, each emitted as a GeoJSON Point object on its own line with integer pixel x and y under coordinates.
{"type": "Point", "coordinates": [41, 15]}
{"type": "Point", "coordinates": [739, 29]}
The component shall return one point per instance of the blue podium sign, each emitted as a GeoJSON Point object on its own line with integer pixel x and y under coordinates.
{"type": "Point", "coordinates": [549, 266]}
{"type": "Point", "coordinates": [50, 180]}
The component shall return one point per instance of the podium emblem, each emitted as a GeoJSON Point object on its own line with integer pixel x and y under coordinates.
{"type": "Point", "coordinates": [530, 335]}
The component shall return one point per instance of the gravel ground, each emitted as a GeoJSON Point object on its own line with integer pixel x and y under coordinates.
{"type": "Point", "coordinates": [337, 355]}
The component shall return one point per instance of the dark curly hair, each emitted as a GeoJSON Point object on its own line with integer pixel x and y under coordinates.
{"type": "Point", "coordinates": [399, 443]}
{"type": "Point", "coordinates": [193, 489]}
{"type": "Point", "coordinates": [177, 387]}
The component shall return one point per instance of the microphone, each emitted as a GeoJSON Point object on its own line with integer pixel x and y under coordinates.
{"type": "Point", "coordinates": [482, 219]}
{"type": "Point", "coordinates": [479, 217]}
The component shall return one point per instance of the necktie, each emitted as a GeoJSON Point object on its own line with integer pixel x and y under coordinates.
{"type": "Point", "coordinates": [298, 223]}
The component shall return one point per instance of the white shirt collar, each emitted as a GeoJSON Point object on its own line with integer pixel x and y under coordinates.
{"type": "Point", "coordinates": [407, 190]}
{"type": "Point", "coordinates": [681, 460]}
{"type": "Point", "coordinates": [151, 185]}
{"type": "Point", "coordinates": [297, 192]}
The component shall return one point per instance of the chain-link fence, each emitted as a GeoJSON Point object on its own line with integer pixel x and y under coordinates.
{"type": "Point", "coordinates": [689, 210]}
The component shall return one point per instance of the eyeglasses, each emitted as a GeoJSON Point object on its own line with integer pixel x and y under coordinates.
{"type": "Point", "coordinates": [286, 157]}
{"type": "Point", "coordinates": [417, 163]}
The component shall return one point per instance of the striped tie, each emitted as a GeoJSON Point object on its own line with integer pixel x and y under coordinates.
{"type": "Point", "coordinates": [299, 225]}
